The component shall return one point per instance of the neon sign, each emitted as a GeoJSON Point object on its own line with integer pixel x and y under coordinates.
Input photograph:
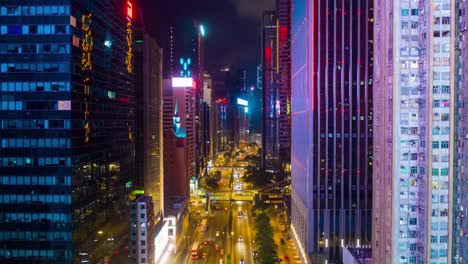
{"type": "Point", "coordinates": [86, 67]}
{"type": "Point", "coordinates": [129, 10]}
{"type": "Point", "coordinates": [129, 56]}
{"type": "Point", "coordinates": [184, 63]}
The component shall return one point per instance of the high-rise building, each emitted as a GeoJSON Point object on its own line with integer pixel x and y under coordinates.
{"type": "Point", "coordinates": [179, 40]}
{"type": "Point", "coordinates": [270, 155]}
{"type": "Point", "coordinates": [460, 214]}
{"type": "Point", "coordinates": [148, 134]}
{"type": "Point", "coordinates": [414, 146]}
{"type": "Point", "coordinates": [276, 86]}
{"type": "Point", "coordinates": [179, 136]}
{"type": "Point", "coordinates": [211, 116]}
{"type": "Point", "coordinates": [67, 127]}
{"type": "Point", "coordinates": [183, 47]}
{"type": "Point", "coordinates": [332, 121]}
{"type": "Point", "coordinates": [283, 12]}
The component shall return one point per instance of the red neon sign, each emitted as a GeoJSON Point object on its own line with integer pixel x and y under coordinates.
{"type": "Point", "coordinates": [129, 10]}
{"type": "Point", "coordinates": [283, 34]}
{"type": "Point", "coordinates": [267, 55]}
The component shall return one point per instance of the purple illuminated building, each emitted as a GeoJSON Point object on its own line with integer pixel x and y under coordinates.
{"type": "Point", "coordinates": [331, 131]}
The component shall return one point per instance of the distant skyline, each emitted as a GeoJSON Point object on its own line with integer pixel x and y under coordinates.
{"type": "Point", "coordinates": [231, 26]}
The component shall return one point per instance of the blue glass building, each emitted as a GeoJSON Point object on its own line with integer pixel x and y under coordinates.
{"type": "Point", "coordinates": [66, 127]}
{"type": "Point", "coordinates": [332, 120]}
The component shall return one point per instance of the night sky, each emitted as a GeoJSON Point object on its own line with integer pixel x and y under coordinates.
{"type": "Point", "coordinates": [233, 28]}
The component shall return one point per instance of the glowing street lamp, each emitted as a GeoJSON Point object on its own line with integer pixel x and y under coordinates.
{"type": "Point", "coordinates": [202, 30]}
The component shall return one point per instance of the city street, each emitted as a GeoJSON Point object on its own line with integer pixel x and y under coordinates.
{"type": "Point", "coordinates": [244, 233]}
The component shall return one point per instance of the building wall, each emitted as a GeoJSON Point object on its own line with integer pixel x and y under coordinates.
{"type": "Point", "coordinates": [382, 225]}
{"type": "Point", "coordinates": [67, 141]}
{"type": "Point", "coordinates": [416, 89]}
{"type": "Point", "coordinates": [332, 121]}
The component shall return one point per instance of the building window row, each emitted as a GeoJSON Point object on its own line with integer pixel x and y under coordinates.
{"type": "Point", "coordinates": [438, 253]}
{"type": "Point", "coordinates": [442, 144]}
{"type": "Point", "coordinates": [27, 162]}
{"type": "Point", "coordinates": [11, 105]}
{"type": "Point", "coordinates": [27, 217]}
{"type": "Point", "coordinates": [444, 20]}
{"type": "Point", "coordinates": [35, 180]}
{"type": "Point", "coordinates": [441, 103]}
{"type": "Point", "coordinates": [439, 198]}
{"type": "Point", "coordinates": [406, 11]}
{"type": "Point", "coordinates": [34, 29]}
{"type": "Point", "coordinates": [409, 130]}
{"type": "Point", "coordinates": [440, 157]}
{"type": "Point", "coordinates": [441, 6]}
{"type": "Point", "coordinates": [441, 61]}
{"type": "Point", "coordinates": [40, 48]}
{"type": "Point", "coordinates": [442, 33]}
{"type": "Point", "coordinates": [409, 51]}
{"type": "Point", "coordinates": [444, 89]}
{"type": "Point", "coordinates": [440, 131]}
{"type": "Point", "coordinates": [443, 172]}
{"type": "Point", "coordinates": [34, 67]}
{"type": "Point", "coordinates": [440, 185]}
{"type": "Point", "coordinates": [26, 253]}
{"type": "Point", "coordinates": [35, 142]}
{"type": "Point", "coordinates": [35, 86]}
{"type": "Point", "coordinates": [441, 75]}
{"type": "Point", "coordinates": [441, 117]}
{"type": "Point", "coordinates": [35, 124]}
{"type": "Point", "coordinates": [35, 199]}
{"type": "Point", "coordinates": [33, 235]}
{"type": "Point", "coordinates": [34, 10]}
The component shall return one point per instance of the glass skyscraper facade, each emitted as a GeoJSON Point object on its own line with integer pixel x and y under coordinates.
{"type": "Point", "coordinates": [67, 122]}
{"type": "Point", "coordinates": [332, 123]}
{"type": "Point", "coordinates": [414, 162]}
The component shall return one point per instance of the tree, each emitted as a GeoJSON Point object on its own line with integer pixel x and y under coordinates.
{"type": "Point", "coordinates": [267, 248]}
{"type": "Point", "coordinates": [258, 177]}
{"type": "Point", "coordinates": [213, 179]}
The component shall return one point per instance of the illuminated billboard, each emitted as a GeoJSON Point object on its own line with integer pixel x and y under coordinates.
{"type": "Point", "coordinates": [160, 241]}
{"type": "Point", "coordinates": [182, 82]}
{"type": "Point", "coordinates": [242, 102]}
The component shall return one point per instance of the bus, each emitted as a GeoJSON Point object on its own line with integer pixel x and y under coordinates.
{"type": "Point", "coordinates": [195, 250]}
{"type": "Point", "coordinates": [203, 225]}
